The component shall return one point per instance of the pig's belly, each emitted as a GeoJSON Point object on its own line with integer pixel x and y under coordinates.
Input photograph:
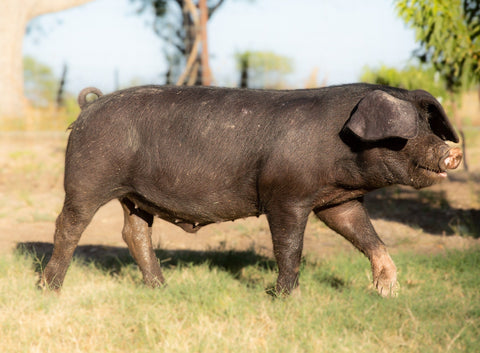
{"type": "Point", "coordinates": [191, 214]}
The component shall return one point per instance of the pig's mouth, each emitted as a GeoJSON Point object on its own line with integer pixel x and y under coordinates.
{"type": "Point", "coordinates": [450, 160]}
{"type": "Point", "coordinates": [434, 172]}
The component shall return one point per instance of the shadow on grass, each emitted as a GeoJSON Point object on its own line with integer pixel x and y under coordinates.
{"type": "Point", "coordinates": [112, 259]}
{"type": "Point", "coordinates": [426, 209]}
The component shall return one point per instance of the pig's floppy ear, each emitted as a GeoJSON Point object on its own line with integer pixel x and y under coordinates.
{"type": "Point", "coordinates": [437, 118]}
{"type": "Point", "coordinates": [379, 116]}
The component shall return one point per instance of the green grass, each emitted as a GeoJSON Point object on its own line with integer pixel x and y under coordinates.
{"type": "Point", "coordinates": [217, 302]}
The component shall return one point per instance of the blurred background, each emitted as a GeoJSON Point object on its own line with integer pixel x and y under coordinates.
{"type": "Point", "coordinates": [53, 49]}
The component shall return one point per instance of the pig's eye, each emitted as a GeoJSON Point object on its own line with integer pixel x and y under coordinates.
{"type": "Point", "coordinates": [440, 125]}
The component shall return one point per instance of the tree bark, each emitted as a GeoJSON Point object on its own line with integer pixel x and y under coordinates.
{"type": "Point", "coordinates": [205, 65]}
{"type": "Point", "coordinates": [14, 18]}
{"type": "Point", "coordinates": [459, 125]}
{"type": "Point", "coordinates": [191, 24]}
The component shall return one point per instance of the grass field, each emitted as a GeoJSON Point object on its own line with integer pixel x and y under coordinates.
{"type": "Point", "coordinates": [211, 305]}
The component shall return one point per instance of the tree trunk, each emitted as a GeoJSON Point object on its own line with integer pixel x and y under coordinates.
{"type": "Point", "coordinates": [244, 66]}
{"type": "Point", "coordinates": [13, 22]}
{"type": "Point", "coordinates": [61, 88]}
{"type": "Point", "coordinates": [191, 23]}
{"type": "Point", "coordinates": [459, 124]}
{"type": "Point", "coordinates": [205, 65]}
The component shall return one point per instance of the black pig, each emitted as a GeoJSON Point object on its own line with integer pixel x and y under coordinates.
{"type": "Point", "coordinates": [196, 155]}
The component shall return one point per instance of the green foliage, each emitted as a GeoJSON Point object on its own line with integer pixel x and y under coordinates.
{"type": "Point", "coordinates": [449, 35]}
{"type": "Point", "coordinates": [411, 77]}
{"type": "Point", "coordinates": [206, 308]}
{"type": "Point", "coordinates": [265, 68]}
{"type": "Point", "coordinates": [40, 82]}
{"type": "Point", "coordinates": [41, 89]}
{"type": "Point", "coordinates": [265, 61]}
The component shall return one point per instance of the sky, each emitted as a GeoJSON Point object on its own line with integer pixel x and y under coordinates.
{"type": "Point", "coordinates": [338, 37]}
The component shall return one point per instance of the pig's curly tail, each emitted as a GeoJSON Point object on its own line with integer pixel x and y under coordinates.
{"type": "Point", "coordinates": [82, 96]}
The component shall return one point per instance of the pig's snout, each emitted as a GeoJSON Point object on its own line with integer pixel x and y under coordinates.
{"type": "Point", "coordinates": [452, 159]}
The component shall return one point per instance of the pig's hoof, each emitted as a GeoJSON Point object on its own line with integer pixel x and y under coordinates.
{"type": "Point", "coordinates": [155, 283]}
{"type": "Point", "coordinates": [385, 276]}
{"type": "Point", "coordinates": [284, 293]}
{"type": "Point", "coordinates": [46, 288]}
{"type": "Point", "coordinates": [386, 286]}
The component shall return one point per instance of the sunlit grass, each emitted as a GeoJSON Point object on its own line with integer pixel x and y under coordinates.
{"type": "Point", "coordinates": [208, 307]}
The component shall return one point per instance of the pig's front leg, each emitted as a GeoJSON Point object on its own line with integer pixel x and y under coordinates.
{"type": "Point", "coordinates": [287, 225]}
{"type": "Point", "coordinates": [352, 222]}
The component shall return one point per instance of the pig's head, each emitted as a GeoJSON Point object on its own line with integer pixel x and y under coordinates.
{"type": "Point", "coordinates": [401, 140]}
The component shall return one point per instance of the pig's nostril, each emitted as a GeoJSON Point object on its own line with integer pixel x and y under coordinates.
{"type": "Point", "coordinates": [453, 158]}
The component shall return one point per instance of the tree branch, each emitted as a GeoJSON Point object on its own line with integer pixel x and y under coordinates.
{"type": "Point", "coordinates": [169, 40]}
{"type": "Point", "coordinates": [214, 8]}
{"type": "Point", "coordinates": [40, 7]}
{"type": "Point", "coordinates": [194, 52]}
{"type": "Point", "coordinates": [180, 3]}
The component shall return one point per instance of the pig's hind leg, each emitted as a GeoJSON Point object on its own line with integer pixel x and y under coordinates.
{"type": "Point", "coordinates": [70, 224]}
{"type": "Point", "coordinates": [352, 222]}
{"type": "Point", "coordinates": [137, 233]}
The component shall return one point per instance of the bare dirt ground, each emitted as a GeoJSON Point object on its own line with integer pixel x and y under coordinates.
{"type": "Point", "coordinates": [445, 216]}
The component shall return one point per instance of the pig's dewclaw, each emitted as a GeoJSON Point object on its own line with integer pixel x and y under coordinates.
{"type": "Point", "coordinates": [385, 276]}
{"type": "Point", "coordinates": [387, 288]}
